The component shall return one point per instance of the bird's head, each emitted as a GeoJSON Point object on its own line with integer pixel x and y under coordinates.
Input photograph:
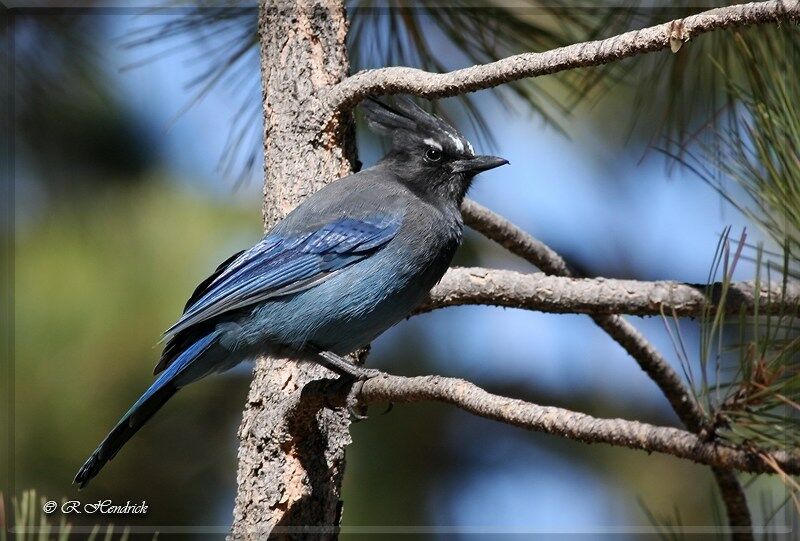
{"type": "Point", "coordinates": [427, 153]}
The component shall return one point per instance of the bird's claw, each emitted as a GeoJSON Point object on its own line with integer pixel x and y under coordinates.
{"type": "Point", "coordinates": [354, 384]}
{"type": "Point", "coordinates": [357, 411]}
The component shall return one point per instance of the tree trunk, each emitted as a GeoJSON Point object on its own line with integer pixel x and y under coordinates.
{"type": "Point", "coordinates": [291, 459]}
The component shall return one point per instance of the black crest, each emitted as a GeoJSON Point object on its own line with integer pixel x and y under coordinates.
{"type": "Point", "coordinates": [408, 124]}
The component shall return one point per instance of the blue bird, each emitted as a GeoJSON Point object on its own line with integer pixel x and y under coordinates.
{"type": "Point", "coordinates": [352, 260]}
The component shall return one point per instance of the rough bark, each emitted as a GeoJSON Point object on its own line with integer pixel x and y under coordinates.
{"type": "Point", "coordinates": [603, 296]}
{"type": "Point", "coordinates": [291, 461]}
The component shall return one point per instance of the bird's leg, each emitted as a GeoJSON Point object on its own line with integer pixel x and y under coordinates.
{"type": "Point", "coordinates": [340, 365]}
{"type": "Point", "coordinates": [352, 375]}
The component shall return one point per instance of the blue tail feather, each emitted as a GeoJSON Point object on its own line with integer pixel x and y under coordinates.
{"type": "Point", "coordinates": [148, 404]}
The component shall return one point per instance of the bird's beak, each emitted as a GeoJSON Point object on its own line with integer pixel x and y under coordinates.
{"type": "Point", "coordinates": [477, 164]}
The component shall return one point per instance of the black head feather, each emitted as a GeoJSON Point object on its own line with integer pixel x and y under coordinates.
{"type": "Point", "coordinates": [385, 119]}
{"type": "Point", "coordinates": [410, 126]}
{"type": "Point", "coordinates": [428, 155]}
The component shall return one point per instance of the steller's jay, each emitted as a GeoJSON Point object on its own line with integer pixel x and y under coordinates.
{"type": "Point", "coordinates": [349, 262]}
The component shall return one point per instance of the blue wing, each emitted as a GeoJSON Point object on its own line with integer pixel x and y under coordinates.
{"type": "Point", "coordinates": [281, 265]}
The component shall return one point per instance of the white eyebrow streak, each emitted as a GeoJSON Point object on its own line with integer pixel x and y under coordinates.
{"type": "Point", "coordinates": [432, 143]}
{"type": "Point", "coordinates": [470, 149]}
{"type": "Point", "coordinates": [457, 142]}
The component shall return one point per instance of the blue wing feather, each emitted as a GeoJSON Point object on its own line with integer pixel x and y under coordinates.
{"type": "Point", "coordinates": [282, 265]}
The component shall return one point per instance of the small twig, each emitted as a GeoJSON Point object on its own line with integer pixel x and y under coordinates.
{"type": "Point", "coordinates": [598, 296]}
{"type": "Point", "coordinates": [557, 421]}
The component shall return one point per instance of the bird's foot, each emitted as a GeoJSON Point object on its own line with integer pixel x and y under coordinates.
{"type": "Point", "coordinates": [358, 412]}
{"type": "Point", "coordinates": [352, 377]}
{"type": "Point", "coordinates": [343, 367]}
{"type": "Point", "coordinates": [350, 388]}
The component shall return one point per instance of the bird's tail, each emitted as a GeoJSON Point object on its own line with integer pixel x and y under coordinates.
{"type": "Point", "coordinates": [148, 404]}
{"type": "Point", "coordinates": [130, 423]}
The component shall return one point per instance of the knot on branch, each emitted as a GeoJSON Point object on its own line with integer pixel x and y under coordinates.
{"type": "Point", "coordinates": [677, 35]}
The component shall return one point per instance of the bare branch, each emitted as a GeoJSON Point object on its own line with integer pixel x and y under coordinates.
{"type": "Point", "coordinates": [557, 421]}
{"type": "Point", "coordinates": [517, 241]}
{"type": "Point", "coordinates": [565, 295]}
{"type": "Point", "coordinates": [397, 80]}
{"type": "Point", "coordinates": [512, 238]}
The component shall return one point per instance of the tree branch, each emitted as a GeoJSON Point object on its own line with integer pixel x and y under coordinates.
{"type": "Point", "coordinates": [397, 80]}
{"type": "Point", "coordinates": [517, 241]}
{"type": "Point", "coordinates": [565, 295]}
{"type": "Point", "coordinates": [557, 421]}
{"type": "Point", "coordinates": [505, 233]}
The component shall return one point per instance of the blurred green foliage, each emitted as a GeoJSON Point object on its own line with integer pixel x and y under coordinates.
{"type": "Point", "coordinates": [758, 162]}
{"type": "Point", "coordinates": [97, 280]}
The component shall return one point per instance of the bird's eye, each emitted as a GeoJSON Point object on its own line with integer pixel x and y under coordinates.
{"type": "Point", "coordinates": [433, 154]}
